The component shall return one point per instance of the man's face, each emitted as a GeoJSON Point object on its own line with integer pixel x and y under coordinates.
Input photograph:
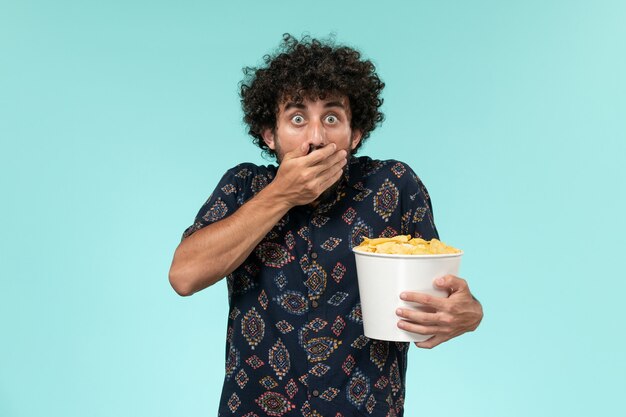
{"type": "Point", "coordinates": [316, 123]}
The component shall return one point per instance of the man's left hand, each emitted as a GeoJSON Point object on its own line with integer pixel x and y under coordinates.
{"type": "Point", "coordinates": [449, 317]}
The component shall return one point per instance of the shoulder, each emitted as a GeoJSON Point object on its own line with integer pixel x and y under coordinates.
{"type": "Point", "coordinates": [248, 169]}
{"type": "Point", "coordinates": [247, 179]}
{"type": "Point", "coordinates": [393, 170]}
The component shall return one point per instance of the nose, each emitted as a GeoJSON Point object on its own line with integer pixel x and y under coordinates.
{"type": "Point", "coordinates": [317, 137]}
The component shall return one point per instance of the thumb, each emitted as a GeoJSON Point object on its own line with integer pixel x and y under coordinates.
{"type": "Point", "coordinates": [451, 283]}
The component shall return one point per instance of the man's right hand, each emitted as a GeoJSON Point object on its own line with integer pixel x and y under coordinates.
{"type": "Point", "coordinates": [219, 248]}
{"type": "Point", "coordinates": [302, 178]}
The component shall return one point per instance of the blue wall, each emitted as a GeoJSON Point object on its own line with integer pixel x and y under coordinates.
{"type": "Point", "coordinates": [118, 118]}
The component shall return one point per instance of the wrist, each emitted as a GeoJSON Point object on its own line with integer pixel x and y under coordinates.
{"type": "Point", "coordinates": [274, 199]}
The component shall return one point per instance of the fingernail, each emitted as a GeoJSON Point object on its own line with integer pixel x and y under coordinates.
{"type": "Point", "coordinates": [403, 296]}
{"type": "Point", "coordinates": [398, 311]}
{"type": "Point", "coordinates": [440, 280]}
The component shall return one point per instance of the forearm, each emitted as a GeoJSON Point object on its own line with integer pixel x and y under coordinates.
{"type": "Point", "coordinates": [218, 249]}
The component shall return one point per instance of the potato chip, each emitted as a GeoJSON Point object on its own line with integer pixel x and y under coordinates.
{"type": "Point", "coordinates": [404, 245]}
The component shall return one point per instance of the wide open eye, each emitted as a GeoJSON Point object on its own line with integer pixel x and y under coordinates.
{"type": "Point", "coordinates": [297, 119]}
{"type": "Point", "coordinates": [331, 119]}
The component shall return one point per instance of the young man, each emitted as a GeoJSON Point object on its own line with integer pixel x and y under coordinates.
{"type": "Point", "coordinates": [283, 237]}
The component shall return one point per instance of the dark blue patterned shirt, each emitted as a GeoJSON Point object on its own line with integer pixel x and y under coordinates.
{"type": "Point", "coordinates": [295, 343]}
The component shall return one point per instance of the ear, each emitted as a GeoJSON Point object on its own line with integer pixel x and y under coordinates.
{"type": "Point", "coordinates": [268, 138]}
{"type": "Point", "coordinates": [356, 138]}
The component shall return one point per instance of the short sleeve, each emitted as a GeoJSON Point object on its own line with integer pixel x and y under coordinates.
{"type": "Point", "coordinates": [224, 201]}
{"type": "Point", "coordinates": [417, 210]}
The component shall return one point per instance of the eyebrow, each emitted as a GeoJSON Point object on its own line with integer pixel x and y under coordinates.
{"type": "Point", "coordinates": [300, 106]}
{"type": "Point", "coordinates": [335, 104]}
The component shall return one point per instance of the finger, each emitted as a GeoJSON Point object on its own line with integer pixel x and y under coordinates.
{"type": "Point", "coordinates": [322, 154]}
{"type": "Point", "coordinates": [328, 181]}
{"type": "Point", "coordinates": [437, 303]}
{"type": "Point", "coordinates": [432, 342]}
{"type": "Point", "coordinates": [339, 157]}
{"type": "Point", "coordinates": [298, 152]}
{"type": "Point", "coordinates": [335, 166]}
{"type": "Point", "coordinates": [452, 283]}
{"type": "Point", "coordinates": [331, 166]}
{"type": "Point", "coordinates": [421, 329]}
{"type": "Point", "coordinates": [420, 317]}
{"type": "Point", "coordinates": [331, 174]}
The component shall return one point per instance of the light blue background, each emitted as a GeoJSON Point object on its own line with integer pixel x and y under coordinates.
{"type": "Point", "coordinates": [118, 118]}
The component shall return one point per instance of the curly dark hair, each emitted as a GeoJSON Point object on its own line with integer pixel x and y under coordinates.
{"type": "Point", "coordinates": [312, 69]}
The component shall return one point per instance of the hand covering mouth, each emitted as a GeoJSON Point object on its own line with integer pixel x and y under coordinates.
{"type": "Point", "coordinates": [314, 148]}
